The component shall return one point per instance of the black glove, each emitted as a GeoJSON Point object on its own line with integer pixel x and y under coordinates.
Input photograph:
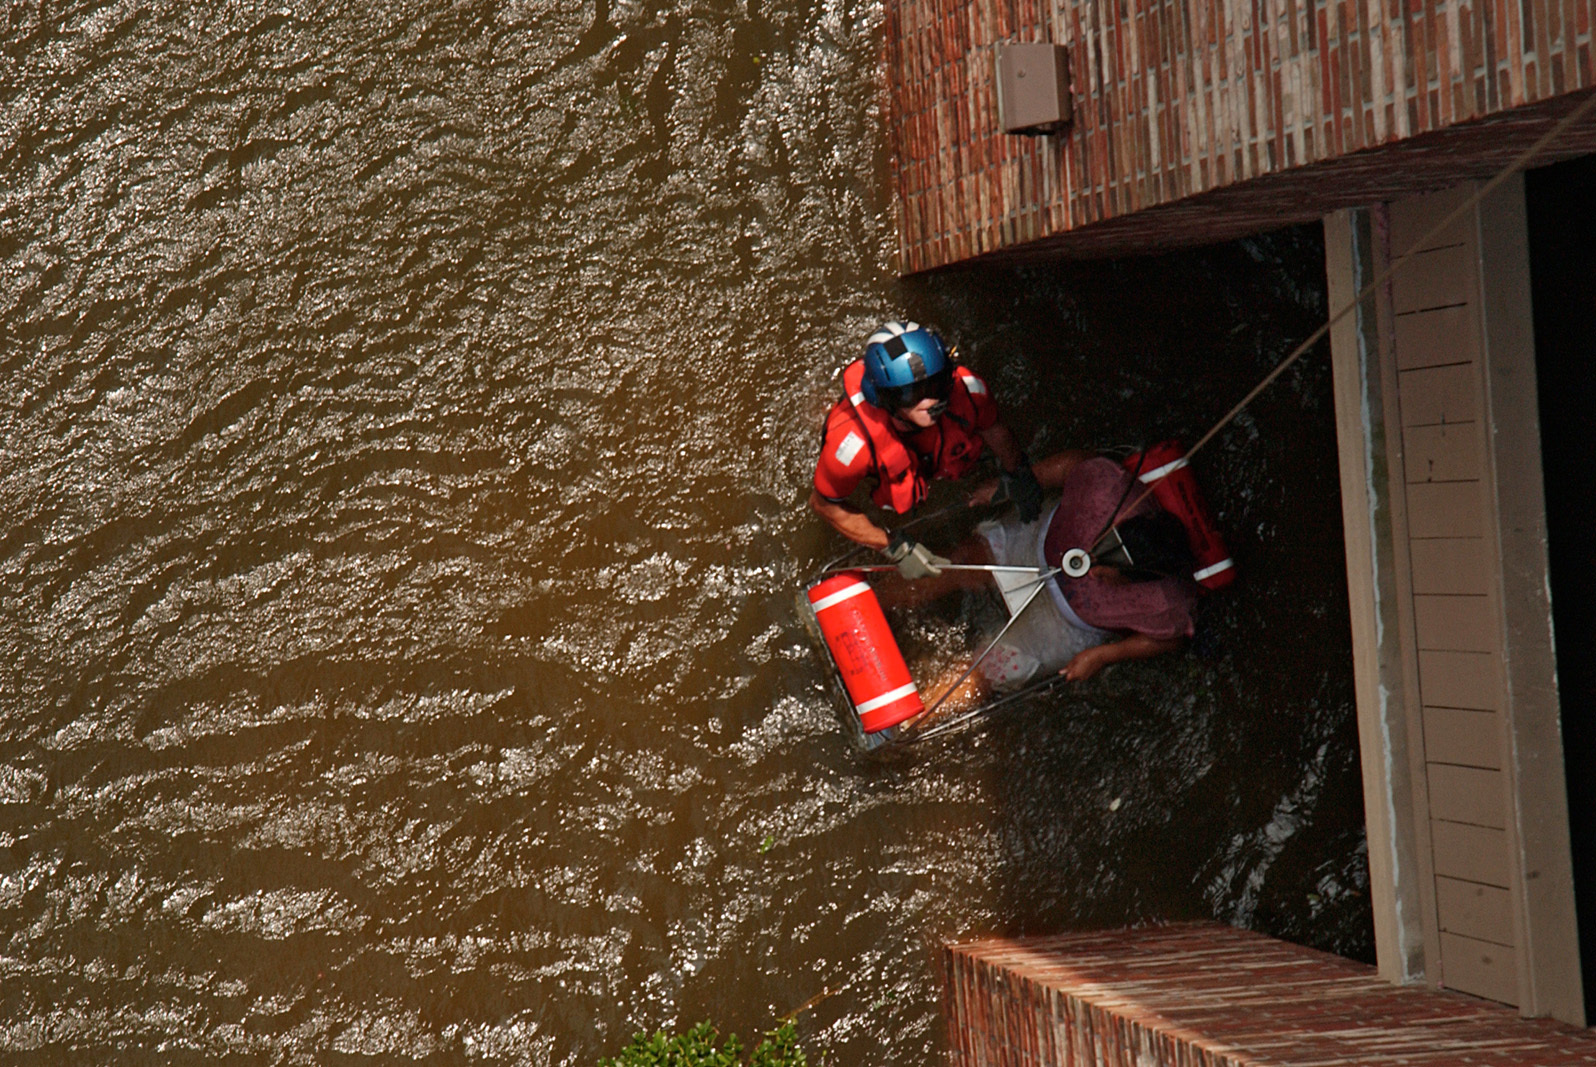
{"type": "Point", "coordinates": [914, 560]}
{"type": "Point", "coordinates": [1021, 488]}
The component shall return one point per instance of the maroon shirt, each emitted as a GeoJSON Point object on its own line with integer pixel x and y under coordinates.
{"type": "Point", "coordinates": [1159, 608]}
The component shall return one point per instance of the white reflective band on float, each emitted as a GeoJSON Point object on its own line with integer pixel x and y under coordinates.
{"type": "Point", "coordinates": [840, 595]}
{"type": "Point", "coordinates": [856, 399]}
{"type": "Point", "coordinates": [1169, 468]}
{"type": "Point", "coordinates": [886, 698]}
{"type": "Point", "coordinates": [1209, 572]}
{"type": "Point", "coordinates": [974, 384]}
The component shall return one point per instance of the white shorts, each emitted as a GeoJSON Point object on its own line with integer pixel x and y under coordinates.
{"type": "Point", "coordinates": [1042, 632]}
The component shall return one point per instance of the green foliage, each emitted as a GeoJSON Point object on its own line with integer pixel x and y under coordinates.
{"type": "Point", "coordinates": [702, 1047]}
{"type": "Point", "coordinates": [779, 1049]}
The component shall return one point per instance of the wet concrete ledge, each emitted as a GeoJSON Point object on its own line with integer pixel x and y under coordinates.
{"type": "Point", "coordinates": [1209, 995]}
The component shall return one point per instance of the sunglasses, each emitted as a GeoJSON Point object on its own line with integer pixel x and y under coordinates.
{"type": "Point", "coordinates": [936, 387]}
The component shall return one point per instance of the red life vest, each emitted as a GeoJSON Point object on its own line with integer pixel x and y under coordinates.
{"type": "Point", "coordinates": [904, 474]}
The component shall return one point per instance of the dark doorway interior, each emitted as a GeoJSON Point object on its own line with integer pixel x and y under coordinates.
{"type": "Point", "coordinates": [1562, 230]}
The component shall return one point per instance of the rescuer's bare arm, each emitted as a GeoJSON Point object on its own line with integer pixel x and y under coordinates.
{"type": "Point", "coordinates": [849, 521]}
{"type": "Point", "coordinates": [1137, 646]}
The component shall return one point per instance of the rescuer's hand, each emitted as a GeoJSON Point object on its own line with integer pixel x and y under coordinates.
{"type": "Point", "coordinates": [1021, 487]}
{"type": "Point", "coordinates": [914, 560]}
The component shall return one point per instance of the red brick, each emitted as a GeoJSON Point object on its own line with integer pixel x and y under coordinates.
{"type": "Point", "coordinates": [1130, 175]}
{"type": "Point", "coordinates": [1209, 994]}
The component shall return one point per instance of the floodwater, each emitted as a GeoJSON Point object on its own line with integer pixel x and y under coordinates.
{"type": "Point", "coordinates": [407, 416]}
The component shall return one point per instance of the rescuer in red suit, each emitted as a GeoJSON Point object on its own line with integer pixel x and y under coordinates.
{"type": "Point", "coordinates": [908, 415]}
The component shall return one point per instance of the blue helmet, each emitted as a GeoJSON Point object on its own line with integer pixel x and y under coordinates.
{"type": "Point", "coordinates": [904, 363]}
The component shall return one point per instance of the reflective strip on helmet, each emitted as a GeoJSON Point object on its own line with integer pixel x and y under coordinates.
{"type": "Point", "coordinates": [886, 698]}
{"type": "Point", "coordinates": [849, 448]}
{"type": "Point", "coordinates": [1169, 468]}
{"type": "Point", "coordinates": [889, 330]}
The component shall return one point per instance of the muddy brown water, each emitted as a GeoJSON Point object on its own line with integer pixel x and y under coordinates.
{"type": "Point", "coordinates": [407, 420]}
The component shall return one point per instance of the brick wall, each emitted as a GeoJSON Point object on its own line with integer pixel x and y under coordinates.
{"type": "Point", "coordinates": [1203, 120]}
{"type": "Point", "coordinates": [1207, 995]}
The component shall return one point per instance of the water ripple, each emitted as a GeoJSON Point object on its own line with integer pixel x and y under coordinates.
{"type": "Point", "coordinates": [409, 410]}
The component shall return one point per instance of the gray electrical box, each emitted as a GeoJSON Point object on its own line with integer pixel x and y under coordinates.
{"type": "Point", "coordinates": [1033, 88]}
